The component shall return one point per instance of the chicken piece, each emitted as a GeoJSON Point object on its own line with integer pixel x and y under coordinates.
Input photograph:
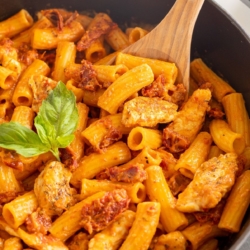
{"type": "Point", "coordinates": [131, 174]}
{"type": "Point", "coordinates": [213, 179]}
{"type": "Point", "coordinates": [52, 189]}
{"type": "Point", "coordinates": [187, 123]}
{"type": "Point", "coordinates": [146, 111]}
{"type": "Point", "coordinates": [103, 211]}
{"type": "Point", "coordinates": [40, 85]}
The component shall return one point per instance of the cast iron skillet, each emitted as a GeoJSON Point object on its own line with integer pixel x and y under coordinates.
{"type": "Point", "coordinates": [217, 39]}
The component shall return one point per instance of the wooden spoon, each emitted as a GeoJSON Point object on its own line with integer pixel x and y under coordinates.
{"type": "Point", "coordinates": [171, 39]}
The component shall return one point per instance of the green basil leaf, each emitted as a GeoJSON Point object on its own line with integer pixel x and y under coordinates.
{"type": "Point", "coordinates": [23, 140]}
{"type": "Point", "coordinates": [57, 118]}
{"type": "Point", "coordinates": [64, 141]}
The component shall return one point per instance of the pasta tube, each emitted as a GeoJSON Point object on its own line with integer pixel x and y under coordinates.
{"type": "Point", "coordinates": [25, 36]}
{"type": "Point", "coordinates": [69, 222]}
{"type": "Point", "coordinates": [94, 163]}
{"type": "Point", "coordinates": [28, 183]}
{"type": "Point", "coordinates": [14, 65]}
{"type": "Point", "coordinates": [77, 145]}
{"type": "Point", "coordinates": [95, 51]}
{"type": "Point", "coordinates": [96, 133]}
{"type": "Point", "coordinates": [8, 181]}
{"type": "Point", "coordinates": [170, 218]}
{"type": "Point", "coordinates": [169, 70]}
{"type": "Point", "coordinates": [109, 73]}
{"type": "Point", "coordinates": [117, 39]}
{"type": "Point", "coordinates": [79, 241]}
{"type": "Point", "coordinates": [7, 228]}
{"type": "Point", "coordinates": [23, 93]}
{"type": "Point", "coordinates": [65, 54]}
{"type": "Point", "coordinates": [198, 233]}
{"type": "Point", "coordinates": [236, 204]}
{"type": "Point", "coordinates": [214, 151]}
{"type": "Point", "coordinates": [192, 86]}
{"type": "Point", "coordinates": [48, 38]}
{"type": "Point", "coordinates": [125, 86]}
{"type": "Point", "coordinates": [140, 137]}
{"type": "Point", "coordinates": [210, 245]}
{"type": "Point", "coordinates": [147, 157]}
{"type": "Point", "coordinates": [246, 157]}
{"type": "Point", "coordinates": [24, 115]}
{"type": "Point", "coordinates": [237, 116]}
{"type": "Point", "coordinates": [202, 74]}
{"type": "Point", "coordinates": [7, 78]}
{"type": "Point", "coordinates": [78, 92]}
{"type": "Point", "coordinates": [146, 221]}
{"type": "Point", "coordinates": [136, 34]}
{"type": "Point", "coordinates": [91, 98]}
{"type": "Point", "coordinates": [15, 24]}
{"type": "Point", "coordinates": [103, 113]}
{"type": "Point", "coordinates": [107, 59]}
{"type": "Point", "coordinates": [41, 241]}
{"type": "Point", "coordinates": [225, 138]}
{"type": "Point", "coordinates": [16, 211]}
{"type": "Point", "coordinates": [136, 191]}
{"type": "Point", "coordinates": [6, 94]}
{"type": "Point", "coordinates": [6, 108]}
{"type": "Point", "coordinates": [195, 155]}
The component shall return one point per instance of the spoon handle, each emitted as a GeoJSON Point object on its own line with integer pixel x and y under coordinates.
{"type": "Point", "coordinates": [171, 39]}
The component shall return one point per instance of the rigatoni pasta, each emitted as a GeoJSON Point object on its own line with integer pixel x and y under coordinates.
{"type": "Point", "coordinates": [15, 24]}
{"type": "Point", "coordinates": [237, 116]}
{"type": "Point", "coordinates": [171, 218]}
{"type": "Point", "coordinates": [130, 163]}
{"type": "Point", "coordinates": [237, 204]}
{"type": "Point", "coordinates": [225, 138]}
{"type": "Point", "coordinates": [130, 82]}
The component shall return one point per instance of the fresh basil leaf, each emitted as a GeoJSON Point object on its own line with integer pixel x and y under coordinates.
{"type": "Point", "coordinates": [64, 141]}
{"type": "Point", "coordinates": [23, 140]}
{"type": "Point", "coordinates": [57, 118]}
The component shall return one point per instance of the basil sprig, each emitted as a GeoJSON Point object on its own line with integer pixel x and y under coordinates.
{"type": "Point", "coordinates": [55, 123]}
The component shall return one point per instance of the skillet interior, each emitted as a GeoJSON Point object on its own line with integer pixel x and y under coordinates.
{"type": "Point", "coordinates": [217, 39]}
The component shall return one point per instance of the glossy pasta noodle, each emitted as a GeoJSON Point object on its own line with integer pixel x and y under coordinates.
{"type": "Point", "coordinates": [133, 165]}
